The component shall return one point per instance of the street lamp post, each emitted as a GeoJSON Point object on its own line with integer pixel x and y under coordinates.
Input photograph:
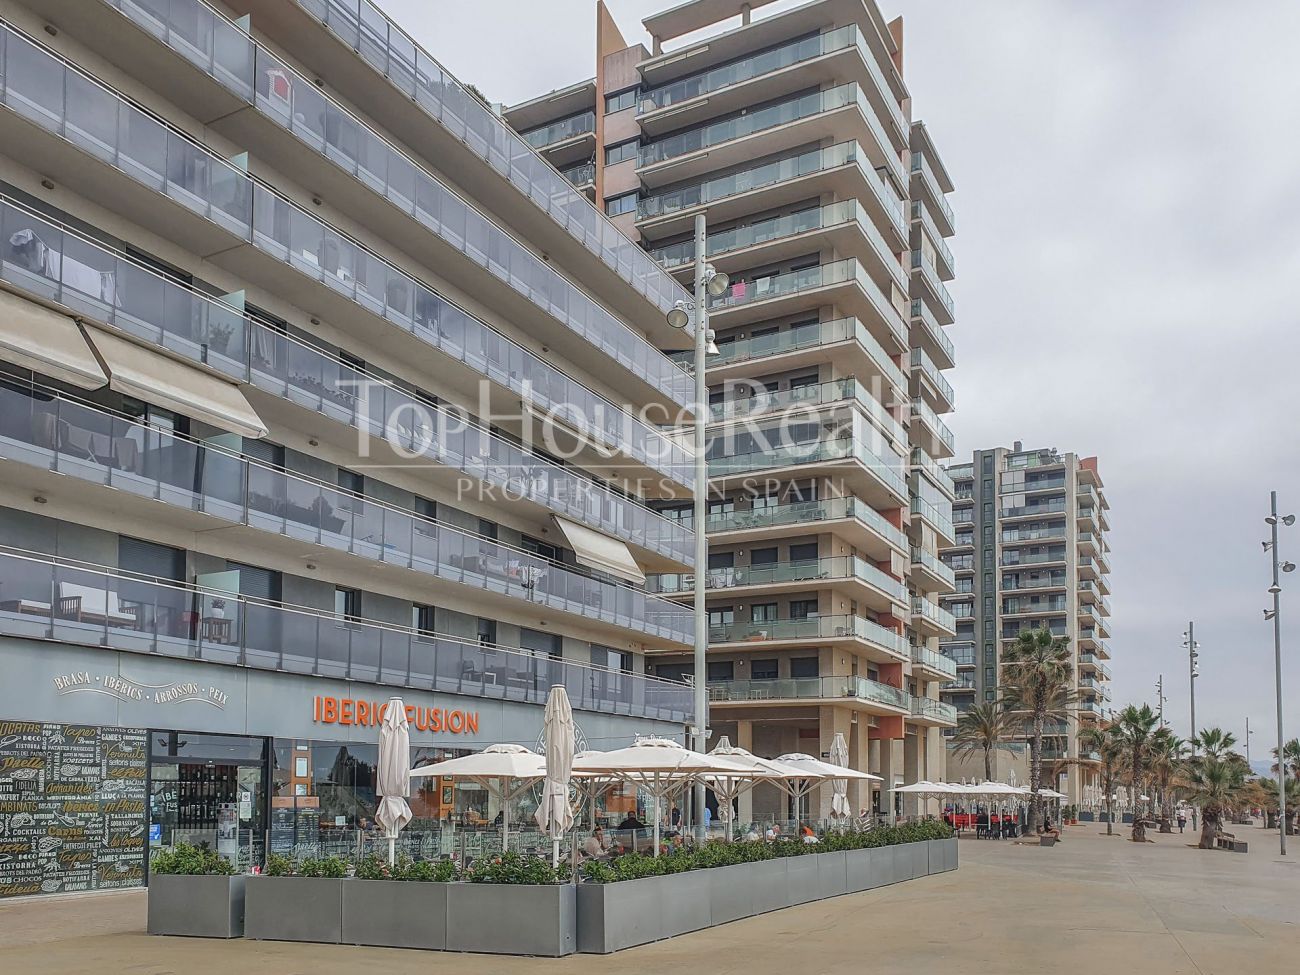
{"type": "Point", "coordinates": [1275, 614]}
{"type": "Point", "coordinates": [1189, 641]}
{"type": "Point", "coordinates": [708, 281]}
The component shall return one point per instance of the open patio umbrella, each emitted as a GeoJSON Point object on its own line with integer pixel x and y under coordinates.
{"type": "Point", "coordinates": [554, 814]}
{"type": "Point", "coordinates": [840, 756]}
{"type": "Point", "coordinates": [505, 771]}
{"type": "Point", "coordinates": [393, 777]}
{"type": "Point", "coordinates": [728, 787]}
{"type": "Point", "coordinates": [813, 771]}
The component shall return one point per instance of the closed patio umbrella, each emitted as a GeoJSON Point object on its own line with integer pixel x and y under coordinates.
{"type": "Point", "coordinates": [840, 756]}
{"type": "Point", "coordinates": [393, 778]}
{"type": "Point", "coordinates": [554, 814]}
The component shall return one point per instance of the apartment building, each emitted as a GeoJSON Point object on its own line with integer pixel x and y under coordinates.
{"type": "Point", "coordinates": [288, 320]}
{"type": "Point", "coordinates": [1031, 552]}
{"type": "Point", "coordinates": [825, 198]}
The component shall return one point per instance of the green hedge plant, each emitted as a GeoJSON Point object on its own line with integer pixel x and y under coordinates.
{"type": "Point", "coordinates": [192, 860]}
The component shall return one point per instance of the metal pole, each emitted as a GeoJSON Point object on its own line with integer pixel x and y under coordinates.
{"type": "Point", "coordinates": [701, 514]}
{"type": "Point", "coordinates": [1277, 665]}
{"type": "Point", "coordinates": [1191, 674]}
{"type": "Point", "coordinates": [1248, 734]}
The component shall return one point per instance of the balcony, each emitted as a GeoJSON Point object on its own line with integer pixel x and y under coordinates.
{"type": "Point", "coordinates": [1092, 662]}
{"type": "Point", "coordinates": [936, 663]}
{"type": "Point", "coordinates": [878, 642]}
{"type": "Point", "coordinates": [962, 651]}
{"type": "Point", "coordinates": [958, 686]}
{"type": "Point", "coordinates": [858, 692]}
{"type": "Point", "coordinates": [879, 591]}
{"type": "Point", "coordinates": [842, 171]}
{"type": "Point", "coordinates": [845, 284]}
{"type": "Point", "coordinates": [926, 186]}
{"type": "Point", "coordinates": [303, 383]}
{"type": "Point", "coordinates": [803, 63]}
{"type": "Point", "coordinates": [939, 577]}
{"type": "Point", "coordinates": [933, 291]}
{"type": "Point", "coordinates": [1032, 585]}
{"type": "Point", "coordinates": [845, 341]}
{"type": "Point", "coordinates": [1090, 592]}
{"type": "Point", "coordinates": [98, 607]}
{"type": "Point", "coordinates": [579, 130]}
{"type": "Point", "coordinates": [931, 618]}
{"type": "Point", "coordinates": [771, 128]}
{"type": "Point", "coordinates": [928, 334]}
{"type": "Point", "coordinates": [856, 522]}
{"type": "Point", "coordinates": [874, 476]}
{"type": "Point", "coordinates": [1055, 506]}
{"type": "Point", "coordinates": [203, 487]}
{"type": "Point", "coordinates": [935, 714]}
{"type": "Point", "coordinates": [1098, 689]}
{"type": "Point", "coordinates": [1028, 606]}
{"type": "Point", "coordinates": [799, 402]}
{"type": "Point", "coordinates": [1015, 558]}
{"type": "Point", "coordinates": [1022, 536]}
{"type": "Point", "coordinates": [581, 175]}
{"type": "Point", "coordinates": [923, 225]}
{"type": "Point", "coordinates": [839, 226]}
{"type": "Point", "coordinates": [936, 518]}
{"type": "Point", "coordinates": [931, 382]}
{"type": "Point", "coordinates": [933, 434]}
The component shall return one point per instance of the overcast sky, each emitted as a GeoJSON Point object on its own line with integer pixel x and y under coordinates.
{"type": "Point", "coordinates": [1128, 279]}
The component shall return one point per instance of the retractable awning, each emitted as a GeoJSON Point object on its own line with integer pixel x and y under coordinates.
{"type": "Point", "coordinates": [155, 378]}
{"type": "Point", "coordinates": [34, 337]}
{"type": "Point", "coordinates": [597, 551]}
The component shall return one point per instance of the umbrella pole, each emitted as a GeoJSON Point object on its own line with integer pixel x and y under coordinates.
{"type": "Point", "coordinates": [656, 829]}
{"type": "Point", "coordinates": [505, 820]}
{"type": "Point", "coordinates": [392, 842]}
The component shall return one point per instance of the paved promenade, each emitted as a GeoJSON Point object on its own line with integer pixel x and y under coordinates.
{"type": "Point", "coordinates": [1089, 905]}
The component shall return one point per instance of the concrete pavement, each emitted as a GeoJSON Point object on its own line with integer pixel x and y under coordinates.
{"type": "Point", "coordinates": [1092, 904]}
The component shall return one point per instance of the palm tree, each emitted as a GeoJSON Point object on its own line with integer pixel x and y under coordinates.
{"type": "Point", "coordinates": [1136, 727]}
{"type": "Point", "coordinates": [1216, 786]}
{"type": "Point", "coordinates": [1214, 741]}
{"type": "Point", "coordinates": [1291, 756]}
{"type": "Point", "coordinates": [981, 729]}
{"type": "Point", "coordinates": [1167, 751]}
{"type": "Point", "coordinates": [1038, 683]}
{"type": "Point", "coordinates": [1105, 742]}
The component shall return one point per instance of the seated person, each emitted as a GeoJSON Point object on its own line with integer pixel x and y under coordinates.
{"type": "Point", "coordinates": [1050, 830]}
{"type": "Point", "coordinates": [595, 847]}
{"type": "Point", "coordinates": [806, 833]}
{"type": "Point", "coordinates": [752, 836]}
{"type": "Point", "coordinates": [773, 832]}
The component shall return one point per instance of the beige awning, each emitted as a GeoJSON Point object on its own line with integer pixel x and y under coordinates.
{"type": "Point", "coordinates": [598, 551]}
{"type": "Point", "coordinates": [138, 371]}
{"type": "Point", "coordinates": [34, 337]}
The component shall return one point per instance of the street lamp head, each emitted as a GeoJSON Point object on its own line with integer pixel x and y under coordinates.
{"type": "Point", "coordinates": [1288, 520]}
{"type": "Point", "coordinates": [1268, 615]}
{"type": "Point", "coordinates": [711, 347]}
{"type": "Point", "coordinates": [1270, 519]}
{"type": "Point", "coordinates": [716, 281]}
{"type": "Point", "coordinates": [680, 314]}
{"type": "Point", "coordinates": [1288, 566]}
{"type": "Point", "coordinates": [1267, 545]}
{"type": "Point", "coordinates": [1274, 589]}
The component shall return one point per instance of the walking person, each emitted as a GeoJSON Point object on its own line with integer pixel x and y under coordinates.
{"type": "Point", "coordinates": [1182, 820]}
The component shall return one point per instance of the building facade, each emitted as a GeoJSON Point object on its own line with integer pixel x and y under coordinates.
{"type": "Point", "coordinates": [825, 198]}
{"type": "Point", "coordinates": [319, 385]}
{"type": "Point", "coordinates": [1031, 552]}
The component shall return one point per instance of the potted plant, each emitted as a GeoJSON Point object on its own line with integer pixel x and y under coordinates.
{"type": "Point", "coordinates": [300, 901]}
{"type": "Point", "coordinates": [399, 906]}
{"type": "Point", "coordinates": [537, 899]}
{"type": "Point", "coordinates": [193, 891]}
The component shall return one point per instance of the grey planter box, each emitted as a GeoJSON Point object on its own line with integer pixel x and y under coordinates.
{"type": "Point", "coordinates": [294, 909]}
{"type": "Point", "coordinates": [612, 917]}
{"type": "Point", "coordinates": [196, 906]}
{"type": "Point", "coordinates": [867, 869]}
{"type": "Point", "coordinates": [395, 914]}
{"type": "Point", "coordinates": [832, 874]}
{"type": "Point", "coordinates": [801, 879]}
{"type": "Point", "coordinates": [943, 855]}
{"type": "Point", "coordinates": [502, 919]}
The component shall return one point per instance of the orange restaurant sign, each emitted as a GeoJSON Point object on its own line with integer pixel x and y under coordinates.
{"type": "Point", "coordinates": [356, 711]}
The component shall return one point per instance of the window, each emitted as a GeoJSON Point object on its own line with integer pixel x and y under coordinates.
{"type": "Point", "coordinates": [721, 670]}
{"type": "Point", "coordinates": [149, 559]}
{"type": "Point", "coordinates": [604, 656]}
{"type": "Point", "coordinates": [349, 481]}
{"type": "Point", "coordinates": [620, 151]}
{"type": "Point", "coordinates": [625, 203]}
{"type": "Point", "coordinates": [488, 529]}
{"type": "Point", "coordinates": [722, 616]}
{"type": "Point", "coordinates": [762, 669]}
{"type": "Point", "coordinates": [721, 507]}
{"type": "Point", "coordinates": [802, 609]}
{"type": "Point", "coordinates": [422, 618]}
{"type": "Point", "coordinates": [804, 552]}
{"type": "Point", "coordinates": [270, 454]}
{"type": "Point", "coordinates": [677, 672]}
{"type": "Point", "coordinates": [538, 547]}
{"type": "Point", "coordinates": [803, 667]}
{"type": "Point", "coordinates": [620, 101]}
{"type": "Point", "coordinates": [537, 642]}
{"type": "Point", "coordinates": [763, 612]}
{"type": "Point", "coordinates": [722, 560]}
{"type": "Point", "coordinates": [987, 464]}
{"type": "Point", "coordinates": [763, 556]}
{"type": "Point", "coordinates": [257, 582]}
{"type": "Point", "coordinates": [487, 632]}
{"type": "Point", "coordinates": [989, 677]}
{"type": "Point", "coordinates": [347, 603]}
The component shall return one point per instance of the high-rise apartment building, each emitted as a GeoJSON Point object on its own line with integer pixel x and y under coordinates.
{"type": "Point", "coordinates": [794, 134]}
{"type": "Point", "coordinates": [317, 385]}
{"type": "Point", "coordinates": [1030, 553]}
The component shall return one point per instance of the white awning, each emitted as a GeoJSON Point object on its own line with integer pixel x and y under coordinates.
{"type": "Point", "coordinates": [155, 378]}
{"type": "Point", "coordinates": [598, 551]}
{"type": "Point", "coordinates": [34, 337]}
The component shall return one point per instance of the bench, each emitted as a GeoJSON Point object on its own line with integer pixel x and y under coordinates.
{"type": "Point", "coordinates": [1226, 841]}
{"type": "Point", "coordinates": [1048, 840]}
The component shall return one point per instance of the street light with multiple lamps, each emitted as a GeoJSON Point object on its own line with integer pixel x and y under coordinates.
{"type": "Point", "coordinates": [1275, 615]}
{"type": "Point", "coordinates": [709, 282]}
{"type": "Point", "coordinates": [1193, 670]}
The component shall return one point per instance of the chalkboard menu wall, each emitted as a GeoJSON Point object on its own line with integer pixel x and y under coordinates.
{"type": "Point", "coordinates": [72, 807]}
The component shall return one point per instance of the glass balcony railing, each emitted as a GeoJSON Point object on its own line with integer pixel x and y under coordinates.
{"type": "Point", "coordinates": [833, 568]}
{"type": "Point", "coordinates": [56, 264]}
{"type": "Point", "coordinates": [921, 361]}
{"type": "Point", "coordinates": [814, 452]}
{"type": "Point", "coordinates": [564, 129]}
{"type": "Point", "coordinates": [393, 53]}
{"type": "Point", "coordinates": [933, 565]}
{"type": "Point", "coordinates": [933, 612]}
{"type": "Point", "coordinates": [921, 313]}
{"type": "Point", "coordinates": [1028, 460]}
{"type": "Point", "coordinates": [811, 628]}
{"type": "Point", "coordinates": [1016, 536]}
{"type": "Point", "coordinates": [807, 512]}
{"type": "Point", "coordinates": [800, 337]}
{"type": "Point", "coordinates": [48, 598]}
{"type": "Point", "coordinates": [931, 513]}
{"type": "Point", "coordinates": [1054, 507]}
{"type": "Point", "coordinates": [764, 287]}
{"type": "Point", "coordinates": [768, 117]}
{"type": "Point", "coordinates": [923, 461]}
{"type": "Point", "coordinates": [922, 409]}
{"type": "Point", "coordinates": [937, 662]}
{"type": "Point", "coordinates": [922, 215]}
{"type": "Point", "coordinates": [294, 102]}
{"type": "Point", "coordinates": [766, 62]}
{"type": "Point", "coordinates": [924, 707]}
{"type": "Point", "coordinates": [1056, 581]}
{"type": "Point", "coordinates": [771, 173]}
{"type": "Point", "coordinates": [1020, 607]}
{"type": "Point", "coordinates": [959, 684]}
{"type": "Point", "coordinates": [798, 399]}
{"type": "Point", "coordinates": [44, 430]}
{"type": "Point", "coordinates": [962, 653]}
{"type": "Point", "coordinates": [1018, 558]}
{"type": "Point", "coordinates": [808, 688]}
{"type": "Point", "coordinates": [923, 264]}
{"type": "Point", "coordinates": [922, 166]}
{"type": "Point", "coordinates": [1094, 661]}
{"type": "Point", "coordinates": [581, 175]}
